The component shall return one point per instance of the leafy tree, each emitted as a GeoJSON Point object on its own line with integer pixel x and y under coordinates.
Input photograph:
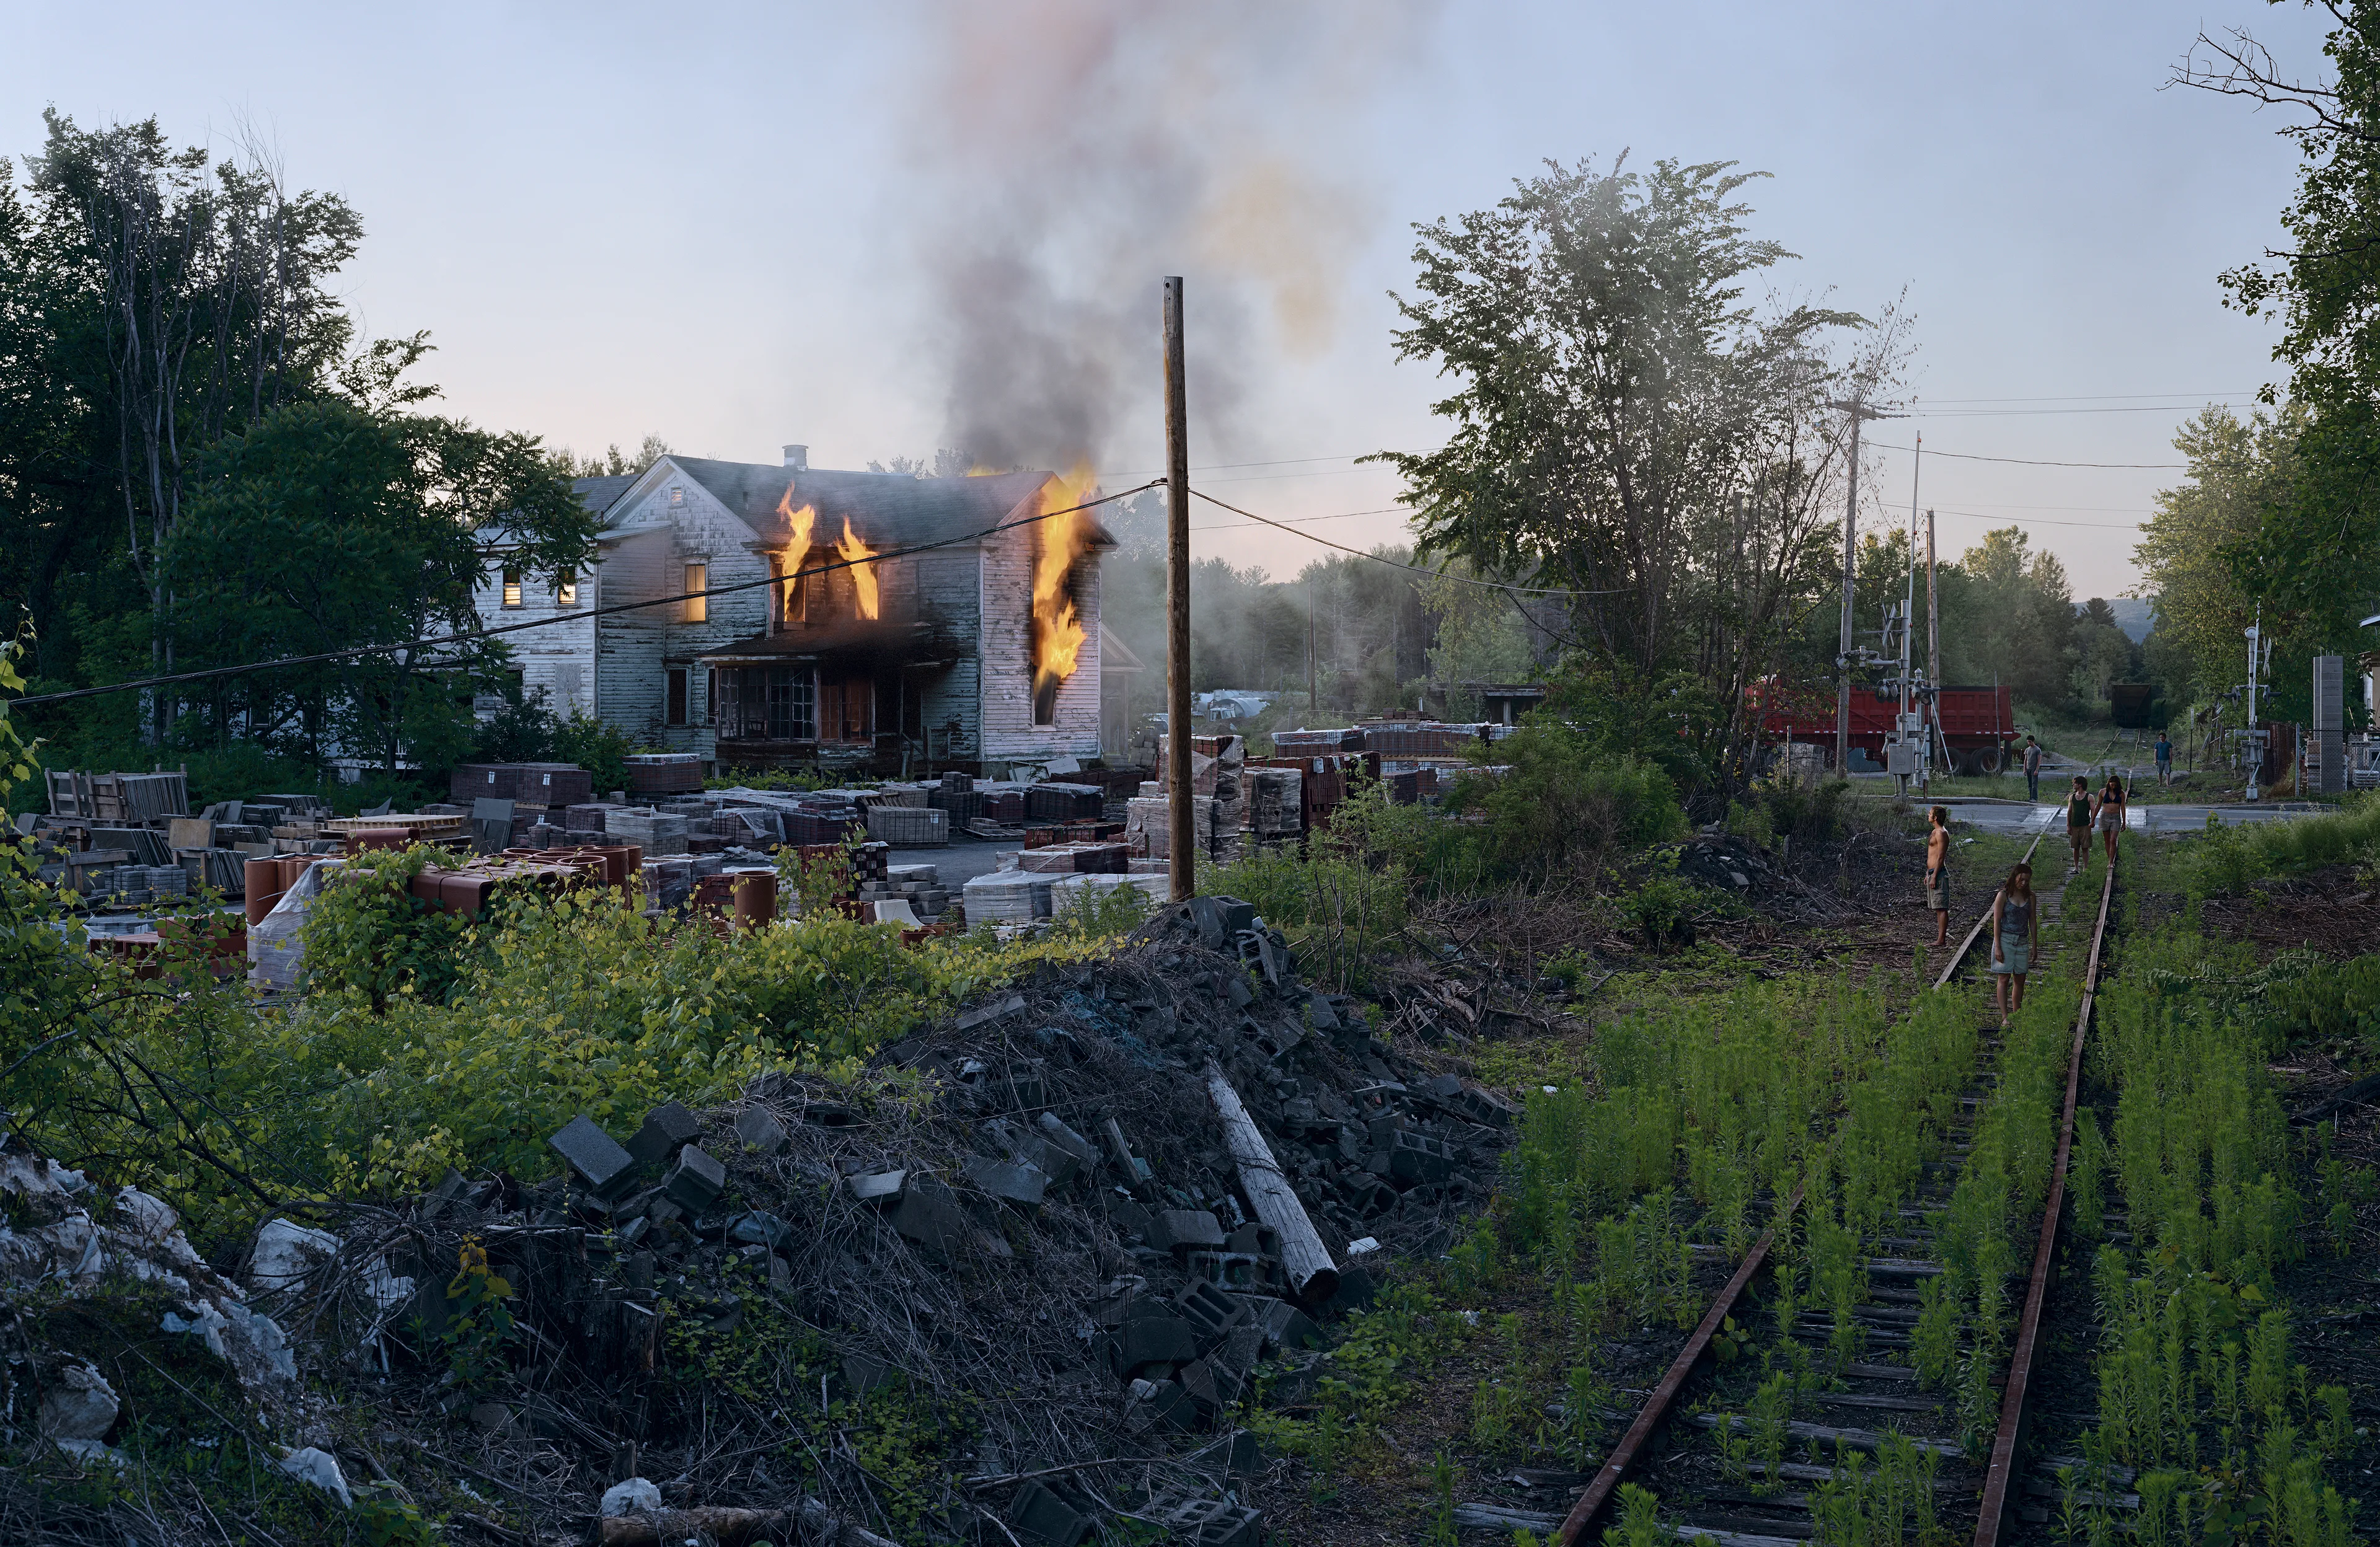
{"type": "Point", "coordinates": [379, 528]}
{"type": "Point", "coordinates": [2021, 615]}
{"type": "Point", "coordinates": [2236, 470]}
{"type": "Point", "coordinates": [1625, 427]}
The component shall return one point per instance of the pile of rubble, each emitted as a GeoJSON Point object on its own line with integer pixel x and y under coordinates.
{"type": "Point", "coordinates": [1070, 1224]}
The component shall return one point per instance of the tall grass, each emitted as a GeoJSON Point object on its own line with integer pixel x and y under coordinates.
{"type": "Point", "coordinates": [2228, 857]}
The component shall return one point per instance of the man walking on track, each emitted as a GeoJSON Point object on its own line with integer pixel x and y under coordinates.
{"type": "Point", "coordinates": [2078, 822]}
{"type": "Point", "coordinates": [1938, 874]}
{"type": "Point", "coordinates": [2164, 759]}
{"type": "Point", "coordinates": [2033, 769]}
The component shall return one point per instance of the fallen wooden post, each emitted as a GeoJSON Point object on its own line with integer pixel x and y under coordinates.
{"type": "Point", "coordinates": [1303, 1260]}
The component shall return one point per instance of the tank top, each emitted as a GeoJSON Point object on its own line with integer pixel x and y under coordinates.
{"type": "Point", "coordinates": [2078, 810]}
{"type": "Point", "coordinates": [2016, 918]}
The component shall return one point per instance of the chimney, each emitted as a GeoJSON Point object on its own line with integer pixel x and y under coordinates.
{"type": "Point", "coordinates": [799, 457]}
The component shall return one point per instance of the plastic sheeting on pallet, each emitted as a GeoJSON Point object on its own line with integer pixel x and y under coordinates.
{"type": "Point", "coordinates": [909, 827]}
{"type": "Point", "coordinates": [276, 952]}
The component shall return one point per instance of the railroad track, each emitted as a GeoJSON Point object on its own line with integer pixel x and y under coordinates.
{"type": "Point", "coordinates": [1841, 1422]}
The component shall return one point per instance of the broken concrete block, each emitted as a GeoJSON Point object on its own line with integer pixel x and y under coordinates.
{"type": "Point", "coordinates": [760, 1229]}
{"type": "Point", "coordinates": [1256, 1239]}
{"type": "Point", "coordinates": [1158, 1405]}
{"type": "Point", "coordinates": [1236, 991]}
{"type": "Point", "coordinates": [606, 1168]}
{"type": "Point", "coordinates": [284, 1253]}
{"type": "Point", "coordinates": [1356, 1289]}
{"type": "Point", "coordinates": [986, 1013]}
{"type": "Point", "coordinates": [1485, 1108]}
{"type": "Point", "coordinates": [1149, 1337]}
{"type": "Point", "coordinates": [1208, 1522]}
{"type": "Point", "coordinates": [1321, 1014]}
{"type": "Point", "coordinates": [635, 1496]}
{"type": "Point", "coordinates": [1285, 1326]}
{"type": "Point", "coordinates": [665, 1128]}
{"type": "Point", "coordinates": [1041, 1516]}
{"type": "Point", "coordinates": [1055, 1131]}
{"type": "Point", "coordinates": [1232, 1270]}
{"type": "Point", "coordinates": [1011, 1181]}
{"type": "Point", "coordinates": [696, 1181]}
{"type": "Point", "coordinates": [757, 1127]}
{"type": "Point", "coordinates": [1218, 918]}
{"type": "Point", "coordinates": [1415, 1158]}
{"type": "Point", "coordinates": [876, 1187]}
{"type": "Point", "coordinates": [931, 1220]}
{"type": "Point", "coordinates": [1182, 1230]}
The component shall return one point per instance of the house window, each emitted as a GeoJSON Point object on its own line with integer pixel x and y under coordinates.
{"type": "Point", "coordinates": [698, 580]}
{"type": "Point", "coordinates": [675, 711]}
{"type": "Point", "coordinates": [677, 495]}
{"type": "Point", "coordinates": [566, 590]}
{"type": "Point", "coordinates": [512, 585]}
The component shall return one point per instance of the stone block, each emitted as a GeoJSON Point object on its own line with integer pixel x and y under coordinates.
{"type": "Point", "coordinates": [1053, 1129]}
{"type": "Point", "coordinates": [1417, 1158]}
{"type": "Point", "coordinates": [1208, 1522]}
{"type": "Point", "coordinates": [596, 1158]}
{"type": "Point", "coordinates": [666, 1127]}
{"type": "Point", "coordinates": [1285, 1326]}
{"type": "Point", "coordinates": [1185, 1230]}
{"type": "Point", "coordinates": [760, 1229]}
{"type": "Point", "coordinates": [932, 1220]}
{"type": "Point", "coordinates": [1150, 1336]}
{"type": "Point", "coordinates": [1011, 1181]}
{"type": "Point", "coordinates": [1041, 1516]}
{"type": "Point", "coordinates": [759, 1127]}
{"type": "Point", "coordinates": [880, 1187]}
{"type": "Point", "coordinates": [696, 1181]}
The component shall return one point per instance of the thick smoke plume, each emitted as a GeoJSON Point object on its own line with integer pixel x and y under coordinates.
{"type": "Point", "coordinates": [1080, 150]}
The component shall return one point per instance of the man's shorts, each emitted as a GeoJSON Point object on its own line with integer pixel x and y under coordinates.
{"type": "Point", "coordinates": [1938, 891]}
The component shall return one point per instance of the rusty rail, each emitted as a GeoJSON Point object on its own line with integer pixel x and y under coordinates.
{"type": "Point", "coordinates": [1656, 1411]}
{"type": "Point", "coordinates": [1993, 1512]}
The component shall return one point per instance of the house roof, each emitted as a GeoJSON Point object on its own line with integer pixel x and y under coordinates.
{"type": "Point", "coordinates": [597, 493]}
{"type": "Point", "coordinates": [886, 509]}
{"type": "Point", "coordinates": [1115, 655]}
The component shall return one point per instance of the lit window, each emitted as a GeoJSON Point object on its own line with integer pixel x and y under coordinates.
{"type": "Point", "coordinates": [566, 590]}
{"type": "Point", "coordinates": [677, 495]}
{"type": "Point", "coordinates": [511, 586]}
{"type": "Point", "coordinates": [698, 580]}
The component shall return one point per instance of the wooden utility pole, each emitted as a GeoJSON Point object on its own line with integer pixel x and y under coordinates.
{"type": "Point", "coordinates": [1860, 412]}
{"type": "Point", "coordinates": [1313, 664]}
{"type": "Point", "coordinates": [1181, 833]}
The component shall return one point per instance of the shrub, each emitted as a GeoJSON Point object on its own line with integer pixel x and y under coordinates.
{"type": "Point", "coordinates": [602, 750]}
{"type": "Point", "coordinates": [1559, 800]}
{"type": "Point", "coordinates": [368, 935]}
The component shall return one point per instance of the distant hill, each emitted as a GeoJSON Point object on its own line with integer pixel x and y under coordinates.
{"type": "Point", "coordinates": [2134, 616]}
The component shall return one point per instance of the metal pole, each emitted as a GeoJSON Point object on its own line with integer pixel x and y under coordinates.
{"type": "Point", "coordinates": [1908, 621]}
{"type": "Point", "coordinates": [1933, 643]}
{"type": "Point", "coordinates": [1843, 649]}
{"type": "Point", "coordinates": [2256, 752]}
{"type": "Point", "coordinates": [1181, 835]}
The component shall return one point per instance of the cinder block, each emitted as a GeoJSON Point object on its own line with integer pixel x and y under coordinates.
{"type": "Point", "coordinates": [1209, 1311]}
{"type": "Point", "coordinates": [757, 1127]}
{"type": "Point", "coordinates": [694, 1183]}
{"type": "Point", "coordinates": [876, 1187]}
{"type": "Point", "coordinates": [666, 1127]}
{"type": "Point", "coordinates": [1285, 1326]}
{"type": "Point", "coordinates": [606, 1168]}
{"type": "Point", "coordinates": [1042, 1515]}
{"type": "Point", "coordinates": [1149, 1337]}
{"type": "Point", "coordinates": [1182, 1230]}
{"type": "Point", "coordinates": [1207, 1522]}
{"type": "Point", "coordinates": [1054, 1129]}
{"type": "Point", "coordinates": [1012, 1181]}
{"type": "Point", "coordinates": [1415, 1158]}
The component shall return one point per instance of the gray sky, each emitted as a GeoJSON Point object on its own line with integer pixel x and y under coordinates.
{"type": "Point", "coordinates": [738, 225]}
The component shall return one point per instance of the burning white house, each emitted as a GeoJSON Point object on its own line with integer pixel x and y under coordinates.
{"type": "Point", "coordinates": [979, 649]}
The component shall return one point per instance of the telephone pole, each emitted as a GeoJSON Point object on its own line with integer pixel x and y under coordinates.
{"type": "Point", "coordinates": [1934, 646]}
{"type": "Point", "coordinates": [1181, 838]}
{"type": "Point", "coordinates": [1860, 411]}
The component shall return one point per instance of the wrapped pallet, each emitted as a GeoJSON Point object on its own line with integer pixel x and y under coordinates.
{"type": "Point", "coordinates": [276, 952]}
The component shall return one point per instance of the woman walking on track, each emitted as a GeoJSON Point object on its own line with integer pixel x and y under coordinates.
{"type": "Point", "coordinates": [2078, 822]}
{"type": "Point", "coordinates": [2016, 935]}
{"type": "Point", "coordinates": [2111, 812]}
{"type": "Point", "coordinates": [1937, 872]}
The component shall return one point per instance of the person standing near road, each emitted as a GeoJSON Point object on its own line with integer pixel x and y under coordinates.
{"type": "Point", "coordinates": [2164, 759]}
{"type": "Point", "coordinates": [2016, 935]}
{"type": "Point", "coordinates": [2033, 769]}
{"type": "Point", "coordinates": [2110, 813]}
{"type": "Point", "coordinates": [1937, 872]}
{"type": "Point", "coordinates": [2078, 822]}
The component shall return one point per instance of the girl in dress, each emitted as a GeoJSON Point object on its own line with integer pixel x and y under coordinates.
{"type": "Point", "coordinates": [2016, 935]}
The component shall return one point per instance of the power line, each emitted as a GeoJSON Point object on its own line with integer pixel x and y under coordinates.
{"type": "Point", "coordinates": [1434, 574]}
{"type": "Point", "coordinates": [2029, 462]}
{"type": "Point", "coordinates": [1300, 521]}
{"type": "Point", "coordinates": [574, 615]}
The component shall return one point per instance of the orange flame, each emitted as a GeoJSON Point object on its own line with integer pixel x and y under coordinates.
{"type": "Point", "coordinates": [801, 521]}
{"type": "Point", "coordinates": [863, 576]}
{"type": "Point", "coordinates": [1057, 630]}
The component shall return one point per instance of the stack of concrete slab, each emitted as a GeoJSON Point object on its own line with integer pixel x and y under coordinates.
{"type": "Point", "coordinates": [657, 833]}
{"type": "Point", "coordinates": [1007, 897]}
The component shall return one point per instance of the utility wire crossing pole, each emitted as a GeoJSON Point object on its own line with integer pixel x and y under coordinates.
{"type": "Point", "coordinates": [1860, 411]}
{"type": "Point", "coordinates": [1181, 835]}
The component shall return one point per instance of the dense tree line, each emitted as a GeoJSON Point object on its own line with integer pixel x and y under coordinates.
{"type": "Point", "coordinates": [202, 463]}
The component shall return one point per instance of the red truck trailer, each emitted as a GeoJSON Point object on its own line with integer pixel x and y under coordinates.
{"type": "Point", "coordinates": [1978, 724]}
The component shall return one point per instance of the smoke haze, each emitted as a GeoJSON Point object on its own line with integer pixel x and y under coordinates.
{"type": "Point", "coordinates": [1077, 151]}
